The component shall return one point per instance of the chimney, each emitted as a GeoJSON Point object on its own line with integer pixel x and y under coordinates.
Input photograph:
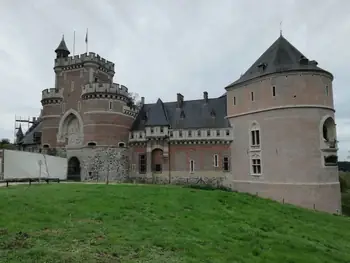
{"type": "Point", "coordinates": [205, 96]}
{"type": "Point", "coordinates": [142, 100]}
{"type": "Point", "coordinates": [33, 119]}
{"type": "Point", "coordinates": [180, 100]}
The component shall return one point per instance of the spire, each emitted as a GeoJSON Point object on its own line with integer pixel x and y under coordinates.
{"type": "Point", "coordinates": [19, 134]}
{"type": "Point", "coordinates": [281, 28]}
{"type": "Point", "coordinates": [62, 50]}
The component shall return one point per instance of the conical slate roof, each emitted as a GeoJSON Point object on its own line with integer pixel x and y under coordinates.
{"type": "Point", "coordinates": [19, 133]}
{"type": "Point", "coordinates": [281, 56]}
{"type": "Point", "coordinates": [62, 46]}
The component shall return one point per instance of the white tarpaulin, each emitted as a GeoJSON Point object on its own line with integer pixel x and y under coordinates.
{"type": "Point", "coordinates": [19, 164]}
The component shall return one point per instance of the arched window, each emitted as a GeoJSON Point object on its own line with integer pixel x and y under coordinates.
{"type": "Point", "coordinates": [328, 130]}
{"type": "Point", "coordinates": [121, 144]}
{"type": "Point", "coordinates": [255, 135]}
{"type": "Point", "coordinates": [46, 146]}
{"type": "Point", "coordinates": [91, 144]}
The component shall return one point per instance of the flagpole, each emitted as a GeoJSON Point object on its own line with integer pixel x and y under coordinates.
{"type": "Point", "coordinates": [74, 44]}
{"type": "Point", "coordinates": [86, 39]}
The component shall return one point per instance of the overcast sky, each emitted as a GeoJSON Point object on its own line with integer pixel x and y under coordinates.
{"type": "Point", "coordinates": [163, 47]}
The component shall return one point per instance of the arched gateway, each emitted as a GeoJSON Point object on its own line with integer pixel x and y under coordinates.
{"type": "Point", "coordinates": [73, 171]}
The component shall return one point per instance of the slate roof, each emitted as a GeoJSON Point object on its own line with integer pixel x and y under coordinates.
{"type": "Point", "coordinates": [29, 135]}
{"type": "Point", "coordinates": [194, 114]}
{"type": "Point", "coordinates": [62, 46]}
{"type": "Point", "coordinates": [281, 56]}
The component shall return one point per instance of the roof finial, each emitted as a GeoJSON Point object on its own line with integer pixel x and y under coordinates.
{"type": "Point", "coordinates": [63, 37]}
{"type": "Point", "coordinates": [281, 28]}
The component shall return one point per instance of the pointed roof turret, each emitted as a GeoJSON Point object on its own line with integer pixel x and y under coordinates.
{"type": "Point", "coordinates": [281, 56]}
{"type": "Point", "coordinates": [19, 134]}
{"type": "Point", "coordinates": [62, 50]}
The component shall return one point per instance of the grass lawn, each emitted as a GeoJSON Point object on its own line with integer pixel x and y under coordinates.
{"type": "Point", "coordinates": [130, 223]}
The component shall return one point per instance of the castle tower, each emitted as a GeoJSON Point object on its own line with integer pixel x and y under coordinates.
{"type": "Point", "coordinates": [282, 113]}
{"type": "Point", "coordinates": [85, 110]}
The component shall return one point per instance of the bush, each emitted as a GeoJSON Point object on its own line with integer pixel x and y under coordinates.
{"type": "Point", "coordinates": [208, 187]}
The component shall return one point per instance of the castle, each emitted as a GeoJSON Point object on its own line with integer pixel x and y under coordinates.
{"type": "Point", "coordinates": [272, 133]}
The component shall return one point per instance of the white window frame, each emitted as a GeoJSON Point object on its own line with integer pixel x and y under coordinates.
{"type": "Point", "coordinates": [110, 105]}
{"type": "Point", "coordinates": [228, 163]}
{"type": "Point", "coordinates": [216, 160]}
{"type": "Point", "coordinates": [256, 162]}
{"type": "Point", "coordinates": [255, 139]}
{"type": "Point", "coordinates": [192, 166]}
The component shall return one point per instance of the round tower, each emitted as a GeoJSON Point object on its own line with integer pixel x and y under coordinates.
{"type": "Point", "coordinates": [107, 114]}
{"type": "Point", "coordinates": [282, 113]}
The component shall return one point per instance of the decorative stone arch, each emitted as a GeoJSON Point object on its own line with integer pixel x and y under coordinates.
{"type": "Point", "coordinates": [70, 129]}
{"type": "Point", "coordinates": [157, 160]}
{"type": "Point", "coordinates": [327, 129]}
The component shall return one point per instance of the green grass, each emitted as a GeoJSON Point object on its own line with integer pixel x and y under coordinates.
{"type": "Point", "coordinates": [130, 223]}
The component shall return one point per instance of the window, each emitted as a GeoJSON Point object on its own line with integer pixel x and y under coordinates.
{"type": "Point", "coordinates": [273, 91]}
{"type": "Point", "coordinates": [216, 160]}
{"type": "Point", "coordinates": [157, 167]}
{"type": "Point", "coordinates": [171, 134]}
{"type": "Point", "coordinates": [96, 79]}
{"type": "Point", "coordinates": [199, 133]}
{"type": "Point", "coordinates": [227, 132]}
{"type": "Point", "coordinates": [110, 106]}
{"type": "Point", "coordinates": [326, 90]}
{"type": "Point", "coordinates": [121, 144]}
{"type": "Point", "coordinates": [226, 166]}
{"type": "Point", "coordinates": [234, 100]}
{"type": "Point", "coordinates": [191, 166]}
{"type": "Point", "coordinates": [161, 129]}
{"type": "Point", "coordinates": [152, 130]}
{"type": "Point", "coordinates": [140, 135]}
{"type": "Point", "coordinates": [131, 135]}
{"type": "Point", "coordinates": [180, 133]}
{"type": "Point", "coordinates": [142, 163]}
{"type": "Point", "coordinates": [208, 133]}
{"type": "Point", "coordinates": [256, 166]}
{"type": "Point", "coordinates": [91, 144]}
{"type": "Point", "coordinates": [79, 105]}
{"type": "Point", "coordinates": [252, 95]}
{"type": "Point", "coordinates": [217, 132]}
{"type": "Point", "coordinates": [189, 133]}
{"type": "Point", "coordinates": [255, 137]}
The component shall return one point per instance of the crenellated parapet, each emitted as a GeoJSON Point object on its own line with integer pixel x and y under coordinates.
{"type": "Point", "coordinates": [131, 111]}
{"type": "Point", "coordinates": [105, 90]}
{"type": "Point", "coordinates": [51, 96]}
{"type": "Point", "coordinates": [77, 61]}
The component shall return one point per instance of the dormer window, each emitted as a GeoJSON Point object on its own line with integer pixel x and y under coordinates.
{"type": "Point", "coordinates": [161, 129]}
{"type": "Point", "coordinates": [180, 133]}
{"type": "Point", "coordinates": [199, 133]}
{"type": "Point", "coordinates": [189, 133]}
{"type": "Point", "coordinates": [208, 133]}
{"type": "Point", "coordinates": [171, 134]}
{"type": "Point", "coordinates": [227, 132]}
{"type": "Point", "coordinates": [217, 132]}
{"type": "Point", "coordinates": [152, 130]}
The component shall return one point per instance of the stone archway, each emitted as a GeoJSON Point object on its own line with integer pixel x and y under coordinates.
{"type": "Point", "coordinates": [74, 169]}
{"type": "Point", "coordinates": [157, 160]}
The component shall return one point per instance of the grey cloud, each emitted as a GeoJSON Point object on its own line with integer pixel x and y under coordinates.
{"type": "Point", "coordinates": [163, 47]}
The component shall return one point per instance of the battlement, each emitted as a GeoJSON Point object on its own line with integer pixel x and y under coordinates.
{"type": "Point", "coordinates": [105, 88]}
{"type": "Point", "coordinates": [52, 94]}
{"type": "Point", "coordinates": [83, 58]}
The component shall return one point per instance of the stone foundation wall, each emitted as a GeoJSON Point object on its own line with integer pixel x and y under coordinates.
{"type": "Point", "coordinates": [102, 164]}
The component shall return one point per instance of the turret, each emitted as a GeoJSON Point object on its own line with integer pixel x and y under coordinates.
{"type": "Point", "coordinates": [62, 50]}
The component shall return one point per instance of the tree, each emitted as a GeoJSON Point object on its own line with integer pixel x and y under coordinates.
{"type": "Point", "coordinates": [134, 99]}
{"type": "Point", "coordinates": [6, 144]}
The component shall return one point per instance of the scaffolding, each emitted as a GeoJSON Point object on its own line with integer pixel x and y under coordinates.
{"type": "Point", "coordinates": [29, 121]}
